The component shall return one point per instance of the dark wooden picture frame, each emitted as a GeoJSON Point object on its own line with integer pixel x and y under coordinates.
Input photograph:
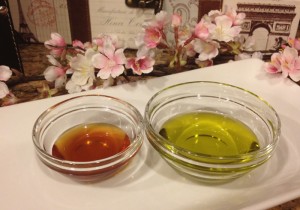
{"type": "Point", "coordinates": [207, 5]}
{"type": "Point", "coordinates": [9, 53]}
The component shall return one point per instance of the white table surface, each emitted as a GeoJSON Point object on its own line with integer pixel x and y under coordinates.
{"type": "Point", "coordinates": [148, 182]}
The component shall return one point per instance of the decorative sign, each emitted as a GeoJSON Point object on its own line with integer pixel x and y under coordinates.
{"type": "Point", "coordinates": [270, 22]}
{"type": "Point", "coordinates": [113, 17]}
{"type": "Point", "coordinates": [36, 19]}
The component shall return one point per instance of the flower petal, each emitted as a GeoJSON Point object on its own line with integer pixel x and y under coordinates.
{"type": "Point", "coordinates": [89, 53]}
{"type": "Point", "coordinates": [51, 73]}
{"type": "Point", "coordinates": [119, 56]}
{"type": "Point", "coordinates": [79, 79]}
{"type": "Point", "coordinates": [117, 70]}
{"type": "Point", "coordinates": [270, 68]}
{"type": "Point", "coordinates": [53, 61]}
{"type": "Point", "coordinates": [5, 73]}
{"type": "Point", "coordinates": [99, 61]}
{"type": "Point", "coordinates": [72, 87]}
{"type": "Point", "coordinates": [60, 81]}
{"type": "Point", "coordinates": [104, 73]}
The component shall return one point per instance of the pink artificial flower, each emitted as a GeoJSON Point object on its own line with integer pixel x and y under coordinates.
{"type": "Point", "coordinates": [5, 74]}
{"type": "Point", "coordinates": [57, 74]}
{"type": "Point", "coordinates": [201, 30]}
{"type": "Point", "coordinates": [140, 65]}
{"type": "Point", "coordinates": [160, 21]}
{"type": "Point", "coordinates": [81, 47]}
{"type": "Point", "coordinates": [103, 39]}
{"type": "Point", "coordinates": [184, 34]}
{"type": "Point", "coordinates": [206, 50]}
{"type": "Point", "coordinates": [77, 43]}
{"type": "Point", "coordinates": [294, 43]}
{"type": "Point", "coordinates": [72, 87]}
{"type": "Point", "coordinates": [212, 15]}
{"type": "Point", "coordinates": [275, 65]}
{"type": "Point", "coordinates": [224, 30]}
{"type": "Point", "coordinates": [152, 37]}
{"type": "Point", "coordinates": [57, 44]}
{"type": "Point", "coordinates": [110, 62]}
{"type": "Point", "coordinates": [143, 63]}
{"type": "Point", "coordinates": [290, 63]}
{"type": "Point", "coordinates": [176, 20]}
{"type": "Point", "coordinates": [84, 73]}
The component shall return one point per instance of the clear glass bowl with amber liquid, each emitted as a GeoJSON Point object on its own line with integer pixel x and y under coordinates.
{"type": "Point", "coordinates": [89, 137]}
{"type": "Point", "coordinates": [211, 131]}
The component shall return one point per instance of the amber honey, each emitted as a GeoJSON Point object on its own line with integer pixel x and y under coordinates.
{"type": "Point", "coordinates": [88, 142]}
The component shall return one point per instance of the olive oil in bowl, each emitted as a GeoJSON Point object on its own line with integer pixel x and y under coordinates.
{"type": "Point", "coordinates": [210, 134]}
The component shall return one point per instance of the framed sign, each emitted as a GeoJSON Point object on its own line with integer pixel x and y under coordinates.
{"type": "Point", "coordinates": [270, 22]}
{"type": "Point", "coordinates": [115, 17]}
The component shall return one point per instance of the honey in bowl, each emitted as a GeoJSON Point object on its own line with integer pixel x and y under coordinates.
{"type": "Point", "coordinates": [89, 142]}
{"type": "Point", "coordinates": [210, 134]}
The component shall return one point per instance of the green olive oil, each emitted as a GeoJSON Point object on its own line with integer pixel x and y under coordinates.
{"type": "Point", "coordinates": [210, 134]}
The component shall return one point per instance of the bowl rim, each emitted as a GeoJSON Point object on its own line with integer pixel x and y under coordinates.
{"type": "Point", "coordinates": [180, 150]}
{"type": "Point", "coordinates": [130, 150]}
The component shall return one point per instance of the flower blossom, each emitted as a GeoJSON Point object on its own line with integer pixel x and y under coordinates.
{"type": "Point", "coordinates": [102, 39]}
{"type": "Point", "coordinates": [290, 63]}
{"type": "Point", "coordinates": [201, 30]}
{"type": "Point", "coordinates": [143, 63]}
{"type": "Point", "coordinates": [275, 65]}
{"type": "Point", "coordinates": [223, 29]}
{"type": "Point", "coordinates": [176, 20]}
{"type": "Point", "coordinates": [153, 30]}
{"type": "Point", "coordinates": [206, 50]}
{"type": "Point", "coordinates": [83, 75]}
{"type": "Point", "coordinates": [56, 44]}
{"type": "Point", "coordinates": [211, 16]}
{"type": "Point", "coordinates": [160, 20]}
{"type": "Point", "coordinates": [55, 73]}
{"type": "Point", "coordinates": [152, 37]}
{"type": "Point", "coordinates": [287, 62]}
{"type": "Point", "coordinates": [78, 43]}
{"type": "Point", "coordinates": [5, 74]}
{"type": "Point", "coordinates": [81, 47]}
{"type": "Point", "coordinates": [111, 62]}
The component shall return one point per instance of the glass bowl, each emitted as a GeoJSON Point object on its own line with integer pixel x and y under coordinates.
{"type": "Point", "coordinates": [211, 131]}
{"type": "Point", "coordinates": [109, 113]}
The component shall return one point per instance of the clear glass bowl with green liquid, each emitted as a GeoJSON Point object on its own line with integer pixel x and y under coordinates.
{"type": "Point", "coordinates": [211, 131]}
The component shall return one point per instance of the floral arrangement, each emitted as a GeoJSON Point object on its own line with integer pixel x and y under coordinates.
{"type": "Point", "coordinates": [103, 58]}
{"type": "Point", "coordinates": [80, 66]}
